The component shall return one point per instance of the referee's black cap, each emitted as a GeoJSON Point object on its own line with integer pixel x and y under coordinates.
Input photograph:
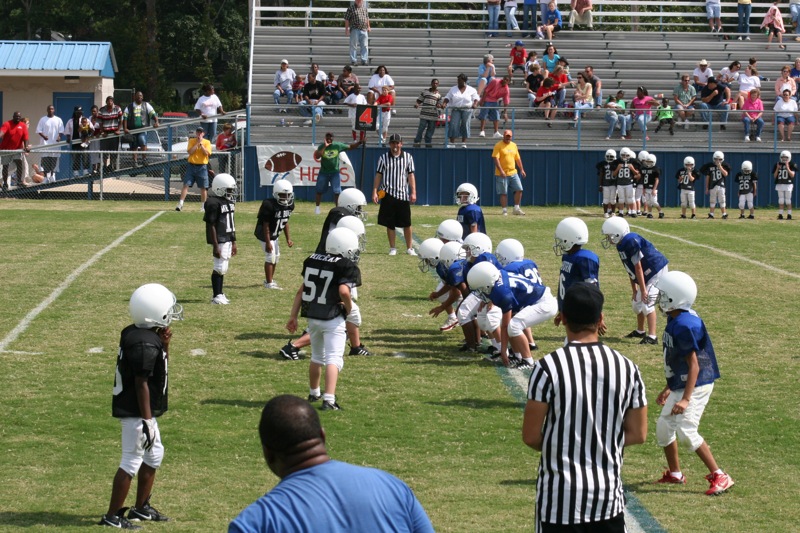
{"type": "Point", "coordinates": [583, 304]}
{"type": "Point", "coordinates": [395, 138]}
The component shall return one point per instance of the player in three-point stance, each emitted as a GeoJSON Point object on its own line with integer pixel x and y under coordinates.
{"type": "Point", "coordinates": [273, 218]}
{"type": "Point", "coordinates": [140, 397]}
{"type": "Point", "coordinates": [221, 231]}
{"type": "Point", "coordinates": [783, 172]}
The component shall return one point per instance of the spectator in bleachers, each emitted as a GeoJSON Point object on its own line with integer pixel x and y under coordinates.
{"type": "Point", "coordinates": [552, 24]}
{"type": "Point", "coordinates": [546, 100]}
{"type": "Point", "coordinates": [713, 13]}
{"type": "Point", "coordinates": [386, 103]}
{"type": "Point", "coordinates": [543, 10]}
{"type": "Point", "coordinates": [428, 105]}
{"type": "Point", "coordinates": [665, 116]}
{"type": "Point", "coordinates": [209, 106]}
{"type": "Point", "coordinates": [518, 56]}
{"type": "Point", "coordinates": [642, 106]}
{"type": "Point", "coordinates": [284, 77]}
{"type": "Point", "coordinates": [794, 11]}
{"type": "Point", "coordinates": [332, 93]}
{"type": "Point", "coordinates": [529, 18]}
{"type": "Point", "coordinates": [460, 101]}
{"type": "Point", "coordinates": [701, 75]}
{"type": "Point", "coordinates": [730, 74]}
{"type": "Point", "coordinates": [510, 9]}
{"type": "Point", "coordinates": [355, 98]}
{"type": "Point", "coordinates": [583, 97]}
{"type": "Point", "coordinates": [617, 113]}
{"type": "Point", "coordinates": [560, 76]}
{"type": "Point", "coordinates": [785, 108]}
{"type": "Point", "coordinates": [773, 22]}
{"type": "Point", "coordinates": [715, 96]}
{"type": "Point", "coordinates": [597, 85]}
{"type": "Point", "coordinates": [346, 81]}
{"type": "Point", "coordinates": [744, 8]}
{"type": "Point", "coordinates": [684, 95]}
{"type": "Point", "coordinates": [785, 82]}
{"type": "Point", "coordinates": [316, 74]}
{"type": "Point", "coordinates": [496, 93]}
{"type": "Point", "coordinates": [297, 88]}
{"type": "Point", "coordinates": [530, 61]}
{"type": "Point", "coordinates": [486, 72]}
{"type": "Point", "coordinates": [748, 80]}
{"type": "Point", "coordinates": [378, 81]}
{"type": "Point", "coordinates": [795, 73]}
{"type": "Point", "coordinates": [357, 27]}
{"type": "Point", "coordinates": [550, 58]}
{"type": "Point", "coordinates": [227, 139]}
{"type": "Point", "coordinates": [532, 83]}
{"type": "Point", "coordinates": [312, 103]}
{"type": "Point", "coordinates": [753, 114]}
{"type": "Point", "coordinates": [581, 13]}
{"type": "Point", "coordinates": [493, 8]}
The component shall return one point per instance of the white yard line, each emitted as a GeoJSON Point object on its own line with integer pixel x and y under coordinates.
{"type": "Point", "coordinates": [26, 321]}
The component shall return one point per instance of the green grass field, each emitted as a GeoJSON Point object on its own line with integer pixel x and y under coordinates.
{"type": "Point", "coordinates": [448, 424]}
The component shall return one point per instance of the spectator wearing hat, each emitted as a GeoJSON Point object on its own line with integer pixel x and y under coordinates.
{"type": "Point", "coordinates": [395, 188]}
{"type": "Point", "coordinates": [551, 24]}
{"type": "Point", "coordinates": [701, 75]}
{"type": "Point", "coordinates": [518, 57]}
{"type": "Point", "coordinates": [460, 102]}
{"type": "Point", "coordinates": [715, 96]}
{"type": "Point", "coordinates": [505, 156]}
{"type": "Point", "coordinates": [284, 77]}
{"type": "Point", "coordinates": [199, 149]}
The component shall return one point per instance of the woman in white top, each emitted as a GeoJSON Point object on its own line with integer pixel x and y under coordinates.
{"type": "Point", "coordinates": [748, 80]}
{"type": "Point", "coordinates": [583, 94]}
{"type": "Point", "coordinates": [785, 107]}
{"type": "Point", "coordinates": [730, 74]}
{"type": "Point", "coordinates": [377, 82]}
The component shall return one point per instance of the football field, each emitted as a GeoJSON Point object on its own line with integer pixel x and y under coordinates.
{"type": "Point", "coordinates": [447, 423]}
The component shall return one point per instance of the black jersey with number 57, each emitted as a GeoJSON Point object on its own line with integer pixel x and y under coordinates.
{"type": "Point", "coordinates": [219, 214]}
{"type": "Point", "coordinates": [322, 275]}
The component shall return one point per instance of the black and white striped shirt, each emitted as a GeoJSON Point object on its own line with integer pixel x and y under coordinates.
{"type": "Point", "coordinates": [394, 172]}
{"type": "Point", "coordinates": [588, 389]}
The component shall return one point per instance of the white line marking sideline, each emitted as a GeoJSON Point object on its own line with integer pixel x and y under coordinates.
{"type": "Point", "coordinates": [25, 322]}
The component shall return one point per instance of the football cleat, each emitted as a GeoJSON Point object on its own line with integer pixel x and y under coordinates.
{"type": "Point", "coordinates": [719, 483]}
{"type": "Point", "coordinates": [146, 513]}
{"type": "Point", "coordinates": [789, 217]}
{"type": "Point", "coordinates": [751, 217]}
{"type": "Point", "coordinates": [683, 216]}
{"type": "Point", "coordinates": [359, 350]}
{"type": "Point", "coordinates": [780, 217]}
{"type": "Point", "coordinates": [649, 340]}
{"type": "Point", "coordinates": [661, 215]}
{"type": "Point", "coordinates": [271, 285]}
{"type": "Point", "coordinates": [449, 324]}
{"type": "Point", "coordinates": [314, 397]}
{"type": "Point", "coordinates": [290, 351]}
{"type": "Point", "coordinates": [469, 348]}
{"type": "Point", "coordinates": [533, 347]}
{"type": "Point", "coordinates": [672, 480]}
{"type": "Point", "coordinates": [331, 406]}
{"type": "Point", "coordinates": [649, 215]}
{"type": "Point", "coordinates": [741, 216]}
{"type": "Point", "coordinates": [724, 216]}
{"type": "Point", "coordinates": [694, 216]}
{"type": "Point", "coordinates": [523, 365]}
{"type": "Point", "coordinates": [635, 335]}
{"type": "Point", "coordinates": [119, 521]}
{"type": "Point", "coordinates": [710, 215]}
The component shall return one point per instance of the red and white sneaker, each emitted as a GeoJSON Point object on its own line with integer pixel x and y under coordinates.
{"type": "Point", "coordinates": [449, 324]}
{"type": "Point", "coordinates": [670, 479]}
{"type": "Point", "coordinates": [719, 483]}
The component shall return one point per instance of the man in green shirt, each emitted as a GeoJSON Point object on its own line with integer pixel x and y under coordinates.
{"type": "Point", "coordinates": [328, 155]}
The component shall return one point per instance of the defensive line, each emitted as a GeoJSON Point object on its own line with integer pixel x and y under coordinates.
{"type": "Point", "coordinates": [26, 321]}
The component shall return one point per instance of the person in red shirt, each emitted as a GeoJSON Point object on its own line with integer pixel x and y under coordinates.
{"type": "Point", "coordinates": [518, 56]}
{"type": "Point", "coordinates": [546, 99]}
{"type": "Point", "coordinates": [495, 93]}
{"type": "Point", "coordinates": [14, 136]}
{"type": "Point", "coordinates": [386, 101]}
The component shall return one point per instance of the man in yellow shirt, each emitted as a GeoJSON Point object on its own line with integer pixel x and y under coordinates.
{"type": "Point", "coordinates": [197, 170]}
{"type": "Point", "coordinates": [506, 160]}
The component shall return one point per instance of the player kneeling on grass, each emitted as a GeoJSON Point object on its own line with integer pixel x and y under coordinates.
{"type": "Point", "coordinates": [644, 264]}
{"type": "Point", "coordinates": [522, 302]}
{"type": "Point", "coordinates": [691, 368]}
{"type": "Point", "coordinates": [273, 218]}
{"type": "Point", "coordinates": [140, 397]}
{"type": "Point", "coordinates": [324, 299]}
{"type": "Point", "coordinates": [221, 231]}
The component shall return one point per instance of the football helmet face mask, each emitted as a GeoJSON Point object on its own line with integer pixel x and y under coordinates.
{"type": "Point", "coordinates": [614, 229]}
{"type": "Point", "coordinates": [466, 194]}
{"type": "Point", "coordinates": [509, 250]}
{"type": "Point", "coordinates": [224, 186]}
{"type": "Point", "coordinates": [626, 153]}
{"type": "Point", "coordinates": [450, 230]}
{"type": "Point", "coordinates": [154, 306]}
{"type": "Point", "coordinates": [482, 278]}
{"type": "Point", "coordinates": [786, 156]}
{"type": "Point", "coordinates": [450, 253]}
{"type": "Point", "coordinates": [676, 290]}
{"type": "Point", "coordinates": [355, 225]}
{"type": "Point", "coordinates": [477, 243]}
{"type": "Point", "coordinates": [688, 163]}
{"type": "Point", "coordinates": [342, 241]}
{"type": "Point", "coordinates": [718, 157]}
{"type": "Point", "coordinates": [611, 156]}
{"type": "Point", "coordinates": [651, 160]}
{"type": "Point", "coordinates": [747, 167]}
{"type": "Point", "coordinates": [569, 232]}
{"type": "Point", "coordinates": [642, 157]}
{"type": "Point", "coordinates": [354, 201]}
{"type": "Point", "coordinates": [283, 192]}
{"type": "Point", "coordinates": [429, 253]}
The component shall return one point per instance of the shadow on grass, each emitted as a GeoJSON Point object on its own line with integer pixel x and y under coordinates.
{"type": "Point", "coordinates": [47, 519]}
{"type": "Point", "coordinates": [519, 482]}
{"type": "Point", "coordinates": [234, 403]}
{"type": "Point", "coordinates": [474, 403]}
{"type": "Point", "coordinates": [259, 354]}
{"type": "Point", "coordinates": [260, 335]}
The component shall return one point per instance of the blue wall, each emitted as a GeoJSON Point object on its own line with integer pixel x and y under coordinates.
{"type": "Point", "coordinates": [556, 177]}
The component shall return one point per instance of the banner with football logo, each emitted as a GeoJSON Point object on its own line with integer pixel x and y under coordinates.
{"type": "Point", "coordinates": [297, 164]}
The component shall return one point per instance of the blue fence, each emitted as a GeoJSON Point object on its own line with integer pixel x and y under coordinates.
{"type": "Point", "coordinates": [554, 177]}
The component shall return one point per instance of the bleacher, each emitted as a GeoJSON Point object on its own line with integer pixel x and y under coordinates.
{"type": "Point", "coordinates": [621, 57]}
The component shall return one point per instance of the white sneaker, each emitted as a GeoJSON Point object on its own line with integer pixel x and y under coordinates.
{"type": "Point", "coordinates": [451, 145]}
{"type": "Point", "coordinates": [606, 215]}
{"type": "Point", "coordinates": [747, 138]}
{"type": "Point", "coordinates": [219, 299]}
{"type": "Point", "coordinates": [411, 251]}
{"type": "Point", "coordinates": [225, 297]}
{"type": "Point", "coordinates": [758, 139]}
{"type": "Point", "coordinates": [392, 251]}
{"type": "Point", "coordinates": [497, 135]}
{"type": "Point", "coordinates": [464, 145]}
{"type": "Point", "coordinates": [482, 134]}
{"type": "Point", "coordinates": [518, 211]}
{"type": "Point", "coordinates": [505, 212]}
{"type": "Point", "coordinates": [307, 122]}
{"type": "Point", "coordinates": [317, 118]}
{"type": "Point", "coordinates": [272, 285]}
{"type": "Point", "coordinates": [316, 210]}
{"type": "Point", "coordinates": [686, 125]}
{"type": "Point", "coordinates": [450, 323]}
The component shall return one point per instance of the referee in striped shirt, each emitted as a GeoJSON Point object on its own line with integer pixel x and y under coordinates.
{"type": "Point", "coordinates": [396, 189]}
{"type": "Point", "coordinates": [586, 402]}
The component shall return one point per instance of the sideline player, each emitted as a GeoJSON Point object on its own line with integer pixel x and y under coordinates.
{"type": "Point", "coordinates": [784, 172]}
{"type": "Point", "coordinates": [273, 218]}
{"type": "Point", "coordinates": [746, 182]}
{"type": "Point", "coordinates": [221, 231]}
{"type": "Point", "coordinates": [625, 172]}
{"type": "Point", "coordinates": [608, 183]}
{"type": "Point", "coordinates": [715, 172]}
{"type": "Point", "coordinates": [651, 176]}
{"type": "Point", "coordinates": [470, 214]}
{"type": "Point", "coordinates": [577, 265]}
{"type": "Point", "coordinates": [686, 178]}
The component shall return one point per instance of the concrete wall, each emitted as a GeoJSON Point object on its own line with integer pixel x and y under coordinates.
{"type": "Point", "coordinates": [30, 95]}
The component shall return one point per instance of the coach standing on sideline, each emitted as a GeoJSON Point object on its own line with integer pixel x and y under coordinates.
{"type": "Point", "coordinates": [596, 396]}
{"type": "Point", "coordinates": [396, 188]}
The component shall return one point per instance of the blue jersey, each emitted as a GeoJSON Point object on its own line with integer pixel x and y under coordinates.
{"type": "Point", "coordinates": [467, 216]}
{"type": "Point", "coordinates": [485, 256]}
{"type": "Point", "coordinates": [525, 267]}
{"type": "Point", "coordinates": [633, 249]}
{"type": "Point", "coordinates": [455, 275]}
{"type": "Point", "coordinates": [512, 292]}
{"type": "Point", "coordinates": [684, 334]}
{"type": "Point", "coordinates": [441, 271]}
{"type": "Point", "coordinates": [583, 265]}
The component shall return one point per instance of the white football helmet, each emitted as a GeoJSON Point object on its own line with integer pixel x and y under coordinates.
{"type": "Point", "coordinates": [342, 241]}
{"type": "Point", "coordinates": [614, 229]}
{"type": "Point", "coordinates": [688, 163]}
{"type": "Point", "coordinates": [718, 157]}
{"type": "Point", "coordinates": [354, 201]}
{"type": "Point", "coordinates": [450, 230]}
{"type": "Point", "coordinates": [477, 243]}
{"type": "Point", "coordinates": [676, 290]}
{"type": "Point", "coordinates": [224, 186]}
{"type": "Point", "coordinates": [469, 193]}
{"type": "Point", "coordinates": [482, 277]}
{"type": "Point", "coordinates": [611, 155]}
{"type": "Point", "coordinates": [283, 192]}
{"type": "Point", "coordinates": [429, 253]}
{"type": "Point", "coordinates": [355, 225]}
{"type": "Point", "coordinates": [450, 253]}
{"type": "Point", "coordinates": [569, 232]}
{"type": "Point", "coordinates": [642, 157]}
{"type": "Point", "coordinates": [626, 153]}
{"type": "Point", "coordinates": [747, 167]}
{"type": "Point", "coordinates": [651, 160]}
{"type": "Point", "coordinates": [509, 250]}
{"type": "Point", "coordinates": [154, 306]}
{"type": "Point", "coordinates": [786, 156]}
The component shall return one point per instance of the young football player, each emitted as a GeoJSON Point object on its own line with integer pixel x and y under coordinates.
{"type": "Point", "coordinates": [523, 303]}
{"type": "Point", "coordinates": [449, 230]}
{"type": "Point", "coordinates": [577, 264]}
{"type": "Point", "coordinates": [638, 186]}
{"type": "Point", "coordinates": [624, 173]}
{"type": "Point", "coordinates": [324, 298]}
{"type": "Point", "coordinates": [746, 182]}
{"type": "Point", "coordinates": [450, 269]}
{"type": "Point", "coordinates": [470, 214]}
{"type": "Point", "coordinates": [715, 172]}
{"type": "Point", "coordinates": [686, 178]}
{"type": "Point", "coordinates": [221, 231]}
{"type": "Point", "coordinates": [273, 218]}
{"type": "Point", "coordinates": [140, 397]}
{"type": "Point", "coordinates": [783, 172]}
{"type": "Point", "coordinates": [691, 368]}
{"type": "Point", "coordinates": [608, 183]}
{"type": "Point", "coordinates": [511, 254]}
{"type": "Point", "coordinates": [651, 175]}
{"type": "Point", "coordinates": [644, 265]}
{"type": "Point", "coordinates": [429, 251]}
